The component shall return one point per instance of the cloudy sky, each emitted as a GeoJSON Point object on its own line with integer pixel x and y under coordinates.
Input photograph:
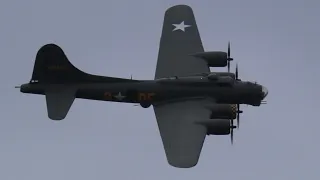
{"type": "Point", "coordinates": [275, 42]}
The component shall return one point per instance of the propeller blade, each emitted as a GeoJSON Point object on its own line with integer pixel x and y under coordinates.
{"type": "Point", "coordinates": [231, 130]}
{"type": "Point", "coordinates": [238, 122]}
{"type": "Point", "coordinates": [238, 115]}
{"type": "Point", "coordinates": [229, 58]}
{"type": "Point", "coordinates": [231, 134]}
{"type": "Point", "coordinates": [229, 49]}
{"type": "Point", "coordinates": [237, 73]}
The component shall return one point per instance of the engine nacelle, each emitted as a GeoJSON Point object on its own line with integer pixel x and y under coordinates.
{"type": "Point", "coordinates": [225, 80]}
{"type": "Point", "coordinates": [213, 58]}
{"type": "Point", "coordinates": [217, 126]}
{"type": "Point", "coordinates": [222, 77]}
{"type": "Point", "coordinates": [223, 111]}
{"type": "Point", "coordinates": [213, 76]}
{"type": "Point", "coordinates": [232, 75]}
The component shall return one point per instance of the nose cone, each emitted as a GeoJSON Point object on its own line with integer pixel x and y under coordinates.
{"type": "Point", "coordinates": [264, 91]}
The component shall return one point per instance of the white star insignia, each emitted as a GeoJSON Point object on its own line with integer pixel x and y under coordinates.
{"type": "Point", "coordinates": [119, 96]}
{"type": "Point", "coordinates": [180, 26]}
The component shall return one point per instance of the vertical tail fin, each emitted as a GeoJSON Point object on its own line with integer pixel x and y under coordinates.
{"type": "Point", "coordinates": [53, 66]}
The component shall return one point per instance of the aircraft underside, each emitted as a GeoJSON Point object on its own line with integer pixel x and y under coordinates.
{"type": "Point", "coordinates": [189, 101]}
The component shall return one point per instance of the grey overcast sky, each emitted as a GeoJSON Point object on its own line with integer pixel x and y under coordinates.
{"type": "Point", "coordinates": [275, 42]}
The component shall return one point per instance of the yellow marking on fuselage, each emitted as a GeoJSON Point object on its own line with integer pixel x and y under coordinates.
{"type": "Point", "coordinates": [145, 96]}
{"type": "Point", "coordinates": [107, 95]}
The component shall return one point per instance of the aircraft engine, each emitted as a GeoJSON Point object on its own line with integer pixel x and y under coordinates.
{"type": "Point", "coordinates": [225, 80]}
{"type": "Point", "coordinates": [232, 75]}
{"type": "Point", "coordinates": [217, 126]}
{"type": "Point", "coordinates": [223, 111]}
{"type": "Point", "coordinates": [213, 76]}
{"type": "Point", "coordinates": [214, 58]}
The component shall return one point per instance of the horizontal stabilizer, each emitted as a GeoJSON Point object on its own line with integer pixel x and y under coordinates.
{"type": "Point", "coordinates": [59, 101]}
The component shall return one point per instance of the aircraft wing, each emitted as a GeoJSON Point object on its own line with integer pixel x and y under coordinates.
{"type": "Point", "coordinates": [180, 38]}
{"type": "Point", "coordinates": [181, 136]}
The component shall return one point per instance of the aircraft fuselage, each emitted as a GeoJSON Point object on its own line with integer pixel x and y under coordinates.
{"type": "Point", "coordinates": [151, 91]}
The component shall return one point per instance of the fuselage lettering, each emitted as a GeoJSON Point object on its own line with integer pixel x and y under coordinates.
{"type": "Point", "coordinates": [107, 95]}
{"type": "Point", "coordinates": [146, 96]}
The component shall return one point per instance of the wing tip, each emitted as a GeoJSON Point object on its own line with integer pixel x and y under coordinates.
{"type": "Point", "coordinates": [57, 116]}
{"type": "Point", "coordinates": [183, 164]}
{"type": "Point", "coordinates": [180, 161]}
{"type": "Point", "coordinates": [179, 6]}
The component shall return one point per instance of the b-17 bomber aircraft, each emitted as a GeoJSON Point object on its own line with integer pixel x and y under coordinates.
{"type": "Point", "coordinates": [189, 101]}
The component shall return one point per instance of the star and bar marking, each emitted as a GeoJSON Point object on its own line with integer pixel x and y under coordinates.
{"type": "Point", "coordinates": [119, 96]}
{"type": "Point", "coordinates": [182, 26]}
{"type": "Point", "coordinates": [141, 96]}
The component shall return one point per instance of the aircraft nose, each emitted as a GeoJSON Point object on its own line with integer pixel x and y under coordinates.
{"type": "Point", "coordinates": [264, 91]}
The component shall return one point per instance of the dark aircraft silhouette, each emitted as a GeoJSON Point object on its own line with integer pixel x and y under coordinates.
{"type": "Point", "coordinates": [189, 101]}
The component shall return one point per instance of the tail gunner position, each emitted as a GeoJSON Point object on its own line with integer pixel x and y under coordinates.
{"type": "Point", "coordinates": [189, 101]}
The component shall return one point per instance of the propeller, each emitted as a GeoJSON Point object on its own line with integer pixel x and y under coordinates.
{"type": "Point", "coordinates": [229, 58]}
{"type": "Point", "coordinates": [238, 105]}
{"type": "Point", "coordinates": [237, 72]}
{"type": "Point", "coordinates": [238, 115]}
{"type": "Point", "coordinates": [231, 131]}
